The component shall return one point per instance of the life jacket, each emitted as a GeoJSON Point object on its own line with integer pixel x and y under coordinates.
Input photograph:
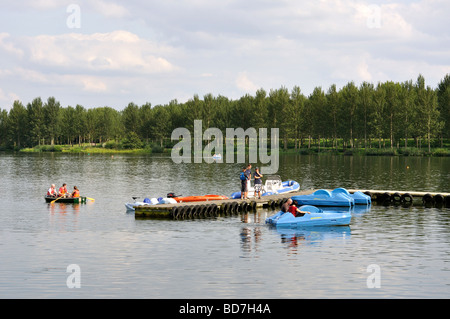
{"type": "Point", "coordinates": [76, 193]}
{"type": "Point", "coordinates": [51, 192]}
{"type": "Point", "coordinates": [62, 190]}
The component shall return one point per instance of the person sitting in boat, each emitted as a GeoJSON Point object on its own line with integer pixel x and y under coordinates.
{"type": "Point", "coordinates": [288, 206]}
{"type": "Point", "coordinates": [62, 192]}
{"type": "Point", "coordinates": [296, 211]}
{"type": "Point", "coordinates": [76, 192]}
{"type": "Point", "coordinates": [52, 191]}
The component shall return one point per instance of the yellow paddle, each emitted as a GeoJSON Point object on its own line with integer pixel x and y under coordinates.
{"type": "Point", "coordinates": [56, 199]}
{"type": "Point", "coordinates": [91, 199]}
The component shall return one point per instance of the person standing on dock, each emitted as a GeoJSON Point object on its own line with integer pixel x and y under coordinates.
{"type": "Point", "coordinates": [258, 183]}
{"type": "Point", "coordinates": [248, 174]}
{"type": "Point", "coordinates": [243, 178]}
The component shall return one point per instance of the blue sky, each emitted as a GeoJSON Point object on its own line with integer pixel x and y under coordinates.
{"type": "Point", "coordinates": [157, 51]}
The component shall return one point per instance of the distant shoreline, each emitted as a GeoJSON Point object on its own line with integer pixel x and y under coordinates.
{"type": "Point", "coordinates": [435, 152]}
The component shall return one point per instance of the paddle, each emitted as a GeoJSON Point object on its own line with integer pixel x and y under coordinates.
{"type": "Point", "coordinates": [91, 199]}
{"type": "Point", "coordinates": [56, 199]}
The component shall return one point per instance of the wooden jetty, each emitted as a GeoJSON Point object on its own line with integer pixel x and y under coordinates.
{"type": "Point", "coordinates": [234, 206]}
{"type": "Point", "coordinates": [214, 207]}
{"type": "Point", "coordinates": [407, 197]}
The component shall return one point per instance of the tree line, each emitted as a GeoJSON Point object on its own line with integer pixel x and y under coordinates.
{"type": "Point", "coordinates": [388, 114]}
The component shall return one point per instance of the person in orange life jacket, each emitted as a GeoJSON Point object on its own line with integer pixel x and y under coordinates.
{"type": "Point", "coordinates": [52, 191]}
{"type": "Point", "coordinates": [76, 192]}
{"type": "Point", "coordinates": [63, 190]}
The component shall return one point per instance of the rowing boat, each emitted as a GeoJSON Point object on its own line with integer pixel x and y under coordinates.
{"type": "Point", "coordinates": [68, 200]}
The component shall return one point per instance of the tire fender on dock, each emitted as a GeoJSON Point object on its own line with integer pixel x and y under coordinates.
{"type": "Point", "coordinates": [406, 198]}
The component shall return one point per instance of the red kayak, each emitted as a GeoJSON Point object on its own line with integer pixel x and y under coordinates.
{"type": "Point", "coordinates": [203, 198]}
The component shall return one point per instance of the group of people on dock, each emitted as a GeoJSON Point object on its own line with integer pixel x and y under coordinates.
{"type": "Point", "coordinates": [62, 191]}
{"type": "Point", "coordinates": [246, 176]}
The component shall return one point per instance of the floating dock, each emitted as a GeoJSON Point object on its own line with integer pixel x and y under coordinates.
{"type": "Point", "coordinates": [214, 207]}
{"type": "Point", "coordinates": [407, 197]}
{"type": "Point", "coordinates": [234, 206]}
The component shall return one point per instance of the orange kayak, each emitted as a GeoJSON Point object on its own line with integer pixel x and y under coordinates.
{"type": "Point", "coordinates": [202, 198]}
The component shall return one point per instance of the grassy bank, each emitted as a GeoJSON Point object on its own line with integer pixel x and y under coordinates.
{"type": "Point", "coordinates": [90, 149]}
{"type": "Point", "coordinates": [375, 151]}
{"type": "Point", "coordinates": [153, 149]}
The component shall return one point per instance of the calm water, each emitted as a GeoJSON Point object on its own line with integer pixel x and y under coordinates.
{"type": "Point", "coordinates": [225, 257]}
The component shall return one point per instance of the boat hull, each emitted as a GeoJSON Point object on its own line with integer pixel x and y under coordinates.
{"type": "Point", "coordinates": [317, 217]}
{"type": "Point", "coordinates": [287, 187]}
{"type": "Point", "coordinates": [323, 197]}
{"type": "Point", "coordinates": [203, 198]}
{"type": "Point", "coordinates": [68, 200]}
{"type": "Point", "coordinates": [174, 200]}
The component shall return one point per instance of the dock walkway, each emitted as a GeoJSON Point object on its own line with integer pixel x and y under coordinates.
{"type": "Point", "coordinates": [233, 206]}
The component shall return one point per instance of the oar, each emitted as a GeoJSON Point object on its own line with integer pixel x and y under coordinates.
{"type": "Point", "coordinates": [56, 199]}
{"type": "Point", "coordinates": [91, 199]}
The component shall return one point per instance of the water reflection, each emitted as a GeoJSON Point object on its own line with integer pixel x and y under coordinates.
{"type": "Point", "coordinates": [250, 240]}
{"type": "Point", "coordinates": [122, 256]}
{"type": "Point", "coordinates": [294, 239]}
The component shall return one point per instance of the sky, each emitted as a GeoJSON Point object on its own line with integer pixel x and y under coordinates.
{"type": "Point", "coordinates": [109, 53]}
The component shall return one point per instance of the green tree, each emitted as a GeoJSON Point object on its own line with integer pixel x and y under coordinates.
{"type": "Point", "coordinates": [36, 120]}
{"type": "Point", "coordinates": [79, 123]}
{"type": "Point", "coordinates": [17, 121]}
{"type": "Point", "coordinates": [366, 109]}
{"type": "Point", "coordinates": [279, 112]}
{"type": "Point", "coordinates": [333, 103]}
{"type": "Point", "coordinates": [406, 108]}
{"type": "Point", "coordinates": [443, 96]}
{"type": "Point", "coordinates": [350, 102]}
{"type": "Point", "coordinates": [298, 105]}
{"type": "Point", "coordinates": [377, 121]}
{"type": "Point", "coordinates": [131, 119]}
{"type": "Point", "coordinates": [52, 119]}
{"type": "Point", "coordinates": [3, 127]}
{"type": "Point", "coordinates": [67, 129]}
{"type": "Point", "coordinates": [318, 113]}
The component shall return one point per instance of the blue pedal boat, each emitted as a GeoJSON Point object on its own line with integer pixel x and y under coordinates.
{"type": "Point", "coordinates": [359, 197]}
{"type": "Point", "coordinates": [323, 197]}
{"type": "Point", "coordinates": [317, 217]}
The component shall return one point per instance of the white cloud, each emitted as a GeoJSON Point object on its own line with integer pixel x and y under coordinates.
{"type": "Point", "coordinates": [120, 51]}
{"type": "Point", "coordinates": [158, 51]}
{"type": "Point", "coordinates": [245, 84]}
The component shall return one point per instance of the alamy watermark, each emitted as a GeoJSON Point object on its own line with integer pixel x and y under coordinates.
{"type": "Point", "coordinates": [374, 16]}
{"type": "Point", "coordinates": [74, 279]}
{"type": "Point", "coordinates": [73, 21]}
{"type": "Point", "coordinates": [257, 146]}
{"type": "Point", "coordinates": [374, 279]}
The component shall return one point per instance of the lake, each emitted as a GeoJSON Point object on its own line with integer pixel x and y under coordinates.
{"type": "Point", "coordinates": [386, 252]}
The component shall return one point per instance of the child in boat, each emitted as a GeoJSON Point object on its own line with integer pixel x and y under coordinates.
{"type": "Point", "coordinates": [76, 192]}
